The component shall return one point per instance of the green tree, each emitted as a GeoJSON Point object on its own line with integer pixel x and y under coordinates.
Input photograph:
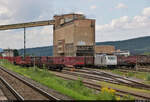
{"type": "Point", "coordinates": [16, 53]}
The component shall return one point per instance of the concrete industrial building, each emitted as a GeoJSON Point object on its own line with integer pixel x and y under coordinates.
{"type": "Point", "coordinates": [109, 49]}
{"type": "Point", "coordinates": [104, 49]}
{"type": "Point", "coordinates": [8, 53]}
{"type": "Point", "coordinates": [122, 53]}
{"type": "Point", "coordinates": [74, 35]}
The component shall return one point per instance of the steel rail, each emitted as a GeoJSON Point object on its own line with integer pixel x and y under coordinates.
{"type": "Point", "coordinates": [12, 90]}
{"type": "Point", "coordinates": [143, 86]}
{"type": "Point", "coordinates": [95, 86]}
{"type": "Point", "coordinates": [49, 96]}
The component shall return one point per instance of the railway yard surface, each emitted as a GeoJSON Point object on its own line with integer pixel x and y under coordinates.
{"type": "Point", "coordinates": [2, 96]}
{"type": "Point", "coordinates": [67, 84]}
{"type": "Point", "coordinates": [22, 88]}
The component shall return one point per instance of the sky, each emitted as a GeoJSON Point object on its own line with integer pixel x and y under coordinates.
{"type": "Point", "coordinates": [115, 19]}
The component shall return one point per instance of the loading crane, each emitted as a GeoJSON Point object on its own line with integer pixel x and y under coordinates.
{"type": "Point", "coordinates": [26, 25]}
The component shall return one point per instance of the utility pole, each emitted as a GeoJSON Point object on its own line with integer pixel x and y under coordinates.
{"type": "Point", "coordinates": [24, 42]}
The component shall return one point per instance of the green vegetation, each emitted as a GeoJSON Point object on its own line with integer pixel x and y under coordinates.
{"type": "Point", "coordinates": [107, 94]}
{"type": "Point", "coordinates": [74, 89]}
{"type": "Point", "coordinates": [122, 87]}
{"type": "Point", "coordinates": [145, 76]}
{"type": "Point", "coordinates": [146, 53]}
{"type": "Point", "coordinates": [135, 46]}
{"type": "Point", "coordinates": [16, 53]}
{"type": "Point", "coordinates": [38, 51]}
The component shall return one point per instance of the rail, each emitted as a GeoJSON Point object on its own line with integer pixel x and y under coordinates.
{"type": "Point", "coordinates": [12, 90]}
{"type": "Point", "coordinates": [49, 96]}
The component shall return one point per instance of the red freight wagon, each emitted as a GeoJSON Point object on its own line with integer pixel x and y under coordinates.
{"type": "Point", "coordinates": [50, 63]}
{"type": "Point", "coordinates": [89, 61]}
{"type": "Point", "coordinates": [11, 59]}
{"type": "Point", "coordinates": [74, 61]}
{"type": "Point", "coordinates": [55, 62]}
{"type": "Point", "coordinates": [18, 60]}
{"type": "Point", "coordinates": [143, 59]}
{"type": "Point", "coordinates": [121, 60]}
{"type": "Point", "coordinates": [43, 60]}
{"type": "Point", "coordinates": [36, 61]}
{"type": "Point", "coordinates": [1, 57]}
{"type": "Point", "coordinates": [27, 61]}
{"type": "Point", "coordinates": [58, 60]}
{"type": "Point", "coordinates": [129, 61]}
{"type": "Point", "coordinates": [6, 58]}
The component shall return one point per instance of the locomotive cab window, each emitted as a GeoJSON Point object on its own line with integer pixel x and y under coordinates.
{"type": "Point", "coordinates": [111, 58]}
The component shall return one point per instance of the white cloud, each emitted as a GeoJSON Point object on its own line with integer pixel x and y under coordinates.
{"type": "Point", "coordinates": [17, 11]}
{"type": "Point", "coordinates": [125, 27]}
{"type": "Point", "coordinates": [121, 5]}
{"type": "Point", "coordinates": [146, 12]}
{"type": "Point", "coordinates": [35, 37]}
{"type": "Point", "coordinates": [93, 7]}
{"type": "Point", "coordinates": [79, 12]}
{"type": "Point", "coordinates": [40, 37]}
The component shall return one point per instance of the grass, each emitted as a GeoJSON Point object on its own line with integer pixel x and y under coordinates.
{"type": "Point", "coordinates": [145, 76]}
{"type": "Point", "coordinates": [146, 53]}
{"type": "Point", "coordinates": [122, 87]}
{"type": "Point", "coordinates": [74, 89]}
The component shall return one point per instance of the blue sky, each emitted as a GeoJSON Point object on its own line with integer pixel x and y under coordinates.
{"type": "Point", "coordinates": [105, 10]}
{"type": "Point", "coordinates": [115, 19]}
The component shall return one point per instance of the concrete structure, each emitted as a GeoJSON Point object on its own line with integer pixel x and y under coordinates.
{"type": "Point", "coordinates": [8, 53]}
{"type": "Point", "coordinates": [74, 35]}
{"type": "Point", "coordinates": [104, 49]}
{"type": "Point", "coordinates": [122, 53]}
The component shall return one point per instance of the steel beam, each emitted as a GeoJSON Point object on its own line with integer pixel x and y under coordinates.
{"type": "Point", "coordinates": [27, 25]}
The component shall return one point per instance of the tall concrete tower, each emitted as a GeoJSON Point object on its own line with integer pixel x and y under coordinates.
{"type": "Point", "coordinates": [74, 35]}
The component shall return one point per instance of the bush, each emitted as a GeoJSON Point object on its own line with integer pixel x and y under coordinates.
{"type": "Point", "coordinates": [107, 94]}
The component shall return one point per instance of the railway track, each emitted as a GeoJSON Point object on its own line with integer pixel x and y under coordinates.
{"type": "Point", "coordinates": [87, 82]}
{"type": "Point", "coordinates": [22, 89]}
{"type": "Point", "coordinates": [2, 95]}
{"type": "Point", "coordinates": [10, 92]}
{"type": "Point", "coordinates": [94, 85]}
{"type": "Point", "coordinates": [139, 69]}
{"type": "Point", "coordinates": [108, 77]}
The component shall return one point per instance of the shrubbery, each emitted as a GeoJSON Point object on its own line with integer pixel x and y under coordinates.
{"type": "Point", "coordinates": [107, 94]}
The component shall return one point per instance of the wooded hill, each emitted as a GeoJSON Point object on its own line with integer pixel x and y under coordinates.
{"type": "Point", "coordinates": [135, 46]}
